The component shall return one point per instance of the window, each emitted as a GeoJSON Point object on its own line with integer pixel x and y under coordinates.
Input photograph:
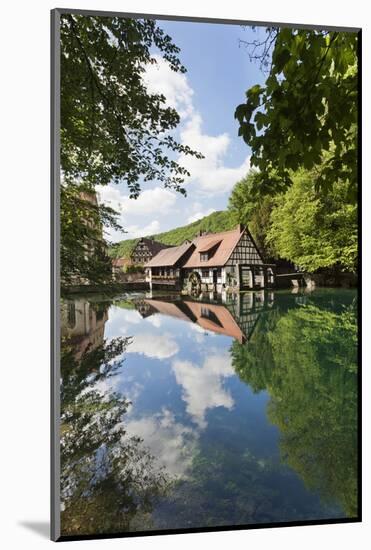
{"type": "Point", "coordinates": [100, 313]}
{"type": "Point", "coordinates": [204, 257]}
{"type": "Point", "coordinates": [205, 273]}
{"type": "Point", "coordinates": [207, 314]}
{"type": "Point", "coordinates": [71, 315]}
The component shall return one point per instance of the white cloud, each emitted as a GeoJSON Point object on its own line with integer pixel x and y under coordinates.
{"type": "Point", "coordinates": [118, 317]}
{"type": "Point", "coordinates": [121, 321]}
{"type": "Point", "coordinates": [200, 333]}
{"type": "Point", "coordinates": [106, 386]}
{"type": "Point", "coordinates": [110, 195]}
{"type": "Point", "coordinates": [197, 328]}
{"type": "Point", "coordinates": [160, 346]}
{"type": "Point", "coordinates": [210, 173]}
{"type": "Point", "coordinates": [157, 201]}
{"type": "Point", "coordinates": [199, 215]}
{"type": "Point", "coordinates": [172, 443]}
{"type": "Point", "coordinates": [142, 216]}
{"type": "Point", "coordinates": [134, 231]}
{"type": "Point", "coordinates": [202, 386]}
{"type": "Point", "coordinates": [129, 316]}
{"type": "Point", "coordinates": [132, 393]}
{"type": "Point", "coordinates": [199, 338]}
{"type": "Point", "coordinates": [160, 79]}
{"type": "Point", "coordinates": [151, 201]}
{"type": "Point", "coordinates": [154, 320]}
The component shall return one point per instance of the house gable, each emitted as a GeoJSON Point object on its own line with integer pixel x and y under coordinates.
{"type": "Point", "coordinates": [245, 252]}
{"type": "Point", "coordinates": [145, 250]}
{"type": "Point", "coordinates": [214, 249]}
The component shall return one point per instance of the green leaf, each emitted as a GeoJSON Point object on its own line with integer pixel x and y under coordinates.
{"type": "Point", "coordinates": [240, 112]}
{"type": "Point", "coordinates": [281, 58]}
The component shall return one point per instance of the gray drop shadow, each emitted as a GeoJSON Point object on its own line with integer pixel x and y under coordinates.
{"type": "Point", "coordinates": [42, 528]}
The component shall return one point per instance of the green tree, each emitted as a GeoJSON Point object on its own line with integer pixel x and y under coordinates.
{"type": "Point", "coordinates": [312, 382]}
{"type": "Point", "coordinates": [109, 480]}
{"type": "Point", "coordinates": [253, 362]}
{"type": "Point", "coordinates": [308, 106]}
{"type": "Point", "coordinates": [314, 230]}
{"type": "Point", "coordinates": [246, 206]}
{"type": "Point", "coordinates": [112, 128]}
{"type": "Point", "coordinates": [83, 251]}
{"type": "Point", "coordinates": [315, 406]}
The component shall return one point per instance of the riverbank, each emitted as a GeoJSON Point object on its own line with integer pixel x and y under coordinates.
{"type": "Point", "coordinates": [289, 280]}
{"type": "Point", "coordinates": [332, 279]}
{"type": "Point", "coordinates": [108, 288]}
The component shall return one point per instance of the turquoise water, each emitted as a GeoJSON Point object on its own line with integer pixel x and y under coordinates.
{"type": "Point", "coordinates": [182, 413]}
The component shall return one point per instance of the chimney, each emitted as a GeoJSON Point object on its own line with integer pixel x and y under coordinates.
{"type": "Point", "coordinates": [241, 227]}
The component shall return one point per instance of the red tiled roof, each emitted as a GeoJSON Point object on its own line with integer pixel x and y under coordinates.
{"type": "Point", "coordinates": [168, 308]}
{"type": "Point", "coordinates": [120, 262]}
{"type": "Point", "coordinates": [209, 245]}
{"type": "Point", "coordinates": [220, 321]}
{"type": "Point", "coordinates": [225, 322]}
{"type": "Point", "coordinates": [169, 256]}
{"type": "Point", "coordinates": [228, 242]}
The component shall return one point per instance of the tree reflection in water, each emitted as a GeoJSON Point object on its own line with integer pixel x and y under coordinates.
{"type": "Point", "coordinates": [109, 480]}
{"type": "Point", "coordinates": [306, 358]}
{"type": "Point", "coordinates": [300, 349]}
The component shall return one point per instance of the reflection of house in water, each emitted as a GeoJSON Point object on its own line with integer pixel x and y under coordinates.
{"type": "Point", "coordinates": [236, 317]}
{"type": "Point", "coordinates": [82, 324]}
{"type": "Point", "coordinates": [144, 308]}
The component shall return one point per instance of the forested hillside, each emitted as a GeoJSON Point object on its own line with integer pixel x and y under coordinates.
{"type": "Point", "coordinates": [213, 223]}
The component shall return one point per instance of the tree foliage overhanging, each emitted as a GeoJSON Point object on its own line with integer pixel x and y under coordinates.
{"type": "Point", "coordinates": [308, 106]}
{"type": "Point", "coordinates": [112, 129]}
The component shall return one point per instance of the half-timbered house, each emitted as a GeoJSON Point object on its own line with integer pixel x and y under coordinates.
{"type": "Point", "coordinates": [236, 318]}
{"type": "Point", "coordinates": [165, 269]}
{"type": "Point", "coordinates": [214, 262]}
{"type": "Point", "coordinates": [145, 249]}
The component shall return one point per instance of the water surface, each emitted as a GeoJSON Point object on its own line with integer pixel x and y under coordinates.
{"type": "Point", "coordinates": [181, 413]}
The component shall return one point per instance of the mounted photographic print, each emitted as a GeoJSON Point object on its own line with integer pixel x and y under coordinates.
{"type": "Point", "coordinates": [205, 274]}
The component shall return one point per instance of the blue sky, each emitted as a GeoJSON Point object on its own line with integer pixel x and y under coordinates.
{"type": "Point", "coordinates": [218, 74]}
